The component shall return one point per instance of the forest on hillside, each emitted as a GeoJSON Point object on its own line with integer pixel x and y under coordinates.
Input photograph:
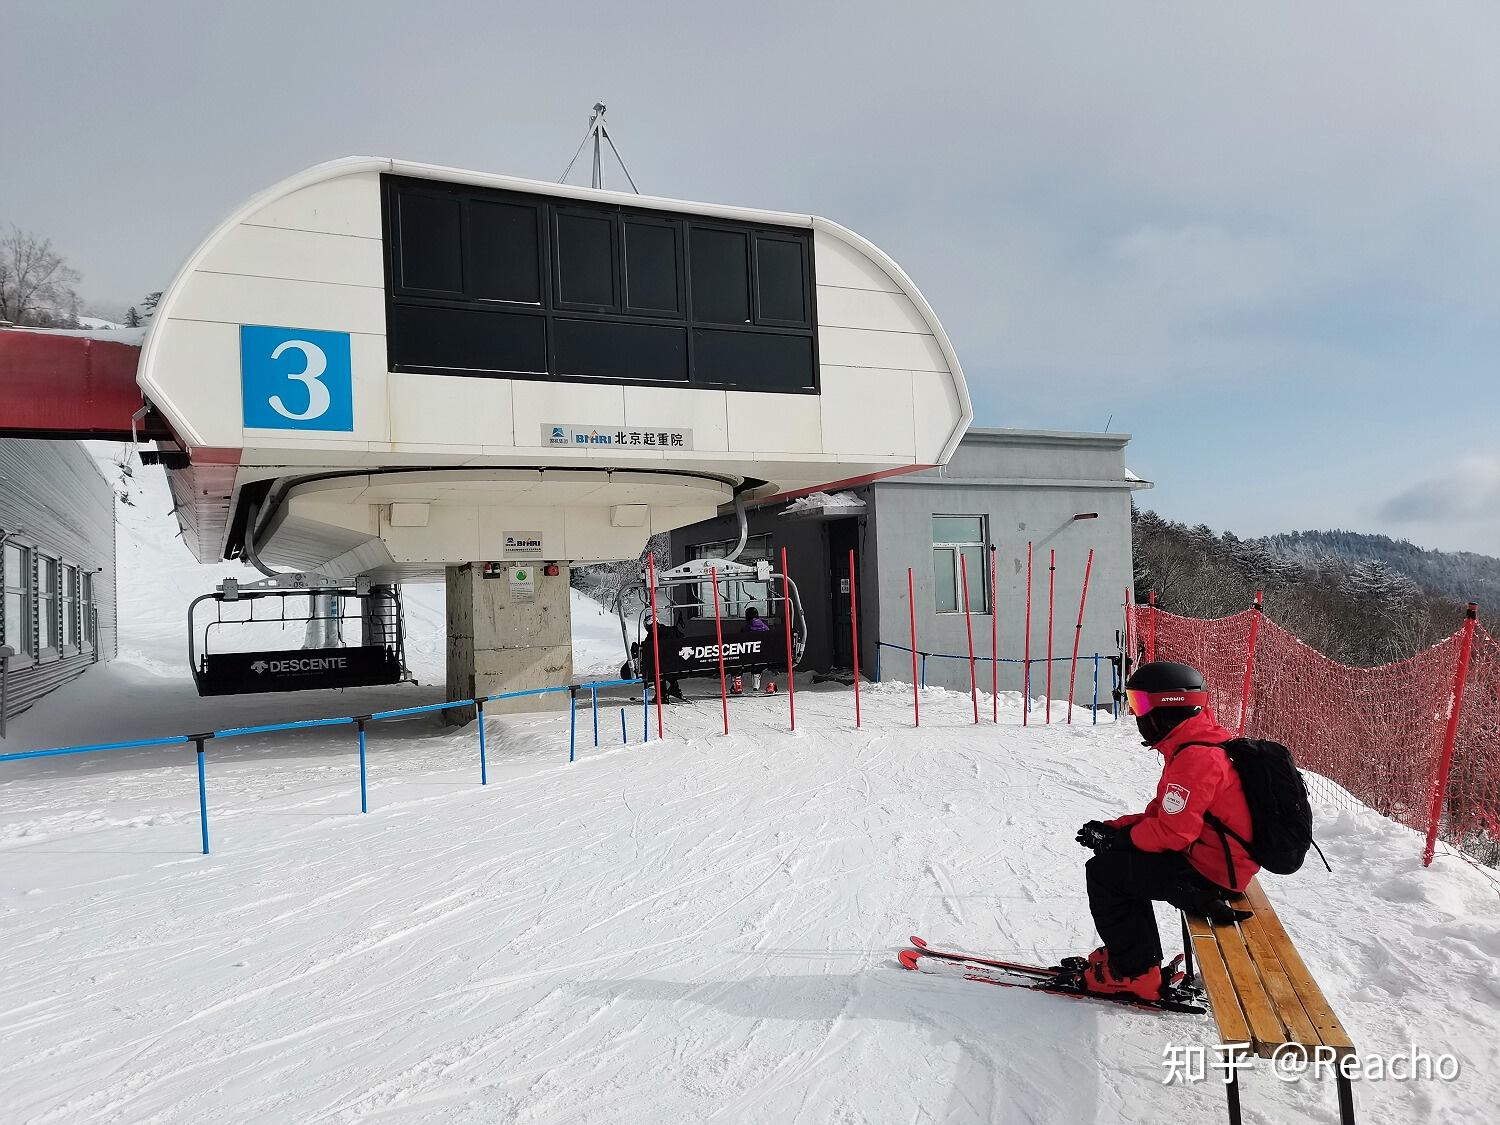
{"type": "Point", "coordinates": [1362, 599]}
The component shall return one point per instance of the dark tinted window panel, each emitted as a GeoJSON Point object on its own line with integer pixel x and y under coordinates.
{"type": "Point", "coordinates": [467, 340]}
{"type": "Point", "coordinates": [504, 256]}
{"type": "Point", "coordinates": [721, 276]}
{"type": "Point", "coordinates": [651, 268]}
{"type": "Point", "coordinates": [585, 259]}
{"type": "Point", "coordinates": [431, 243]}
{"type": "Point", "coordinates": [601, 349]}
{"type": "Point", "coordinates": [780, 280]}
{"type": "Point", "coordinates": [753, 361]}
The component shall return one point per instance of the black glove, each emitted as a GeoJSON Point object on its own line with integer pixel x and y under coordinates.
{"type": "Point", "coordinates": [1101, 837]}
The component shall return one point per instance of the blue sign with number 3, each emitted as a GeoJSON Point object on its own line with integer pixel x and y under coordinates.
{"type": "Point", "coordinates": [296, 379]}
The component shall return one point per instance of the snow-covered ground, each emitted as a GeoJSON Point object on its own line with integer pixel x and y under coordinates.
{"type": "Point", "coordinates": [701, 929]}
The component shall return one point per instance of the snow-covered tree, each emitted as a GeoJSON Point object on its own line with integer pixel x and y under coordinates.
{"type": "Point", "coordinates": [36, 282]}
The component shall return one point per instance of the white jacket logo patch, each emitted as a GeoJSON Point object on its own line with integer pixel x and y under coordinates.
{"type": "Point", "coordinates": [1175, 799]}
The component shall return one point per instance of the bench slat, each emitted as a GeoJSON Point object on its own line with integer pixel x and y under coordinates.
{"type": "Point", "coordinates": [1231, 1022]}
{"type": "Point", "coordinates": [1329, 1029]}
{"type": "Point", "coordinates": [1278, 986]}
{"type": "Point", "coordinates": [1266, 1030]}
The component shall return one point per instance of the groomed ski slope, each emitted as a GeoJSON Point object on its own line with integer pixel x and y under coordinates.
{"type": "Point", "coordinates": [699, 930]}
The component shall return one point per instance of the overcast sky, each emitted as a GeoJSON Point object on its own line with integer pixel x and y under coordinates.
{"type": "Point", "coordinates": [1265, 239]}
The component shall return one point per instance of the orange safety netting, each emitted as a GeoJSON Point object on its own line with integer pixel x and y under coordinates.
{"type": "Point", "coordinates": [1377, 733]}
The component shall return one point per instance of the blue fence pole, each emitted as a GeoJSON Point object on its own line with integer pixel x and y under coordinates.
{"type": "Point", "coordinates": [924, 669]}
{"type": "Point", "coordinates": [484, 773]}
{"type": "Point", "coordinates": [572, 722]}
{"type": "Point", "coordinates": [645, 716]}
{"type": "Point", "coordinates": [202, 790]}
{"type": "Point", "coordinates": [624, 738]}
{"type": "Point", "coordinates": [1096, 689]}
{"type": "Point", "coordinates": [364, 799]}
{"type": "Point", "coordinates": [877, 662]}
{"type": "Point", "coordinates": [594, 692]}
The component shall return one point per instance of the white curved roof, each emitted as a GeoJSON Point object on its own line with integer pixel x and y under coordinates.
{"type": "Point", "coordinates": [308, 253]}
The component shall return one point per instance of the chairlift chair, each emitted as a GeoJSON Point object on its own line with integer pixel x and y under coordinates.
{"type": "Point", "coordinates": [327, 660]}
{"type": "Point", "coordinates": [686, 596]}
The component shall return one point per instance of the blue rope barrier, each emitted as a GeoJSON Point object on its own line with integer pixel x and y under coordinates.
{"type": "Point", "coordinates": [174, 740]}
{"type": "Point", "coordinates": [403, 712]}
{"type": "Point", "coordinates": [303, 724]}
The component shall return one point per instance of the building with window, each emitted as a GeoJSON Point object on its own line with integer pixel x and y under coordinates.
{"type": "Point", "coordinates": [57, 566]}
{"type": "Point", "coordinates": [1061, 493]}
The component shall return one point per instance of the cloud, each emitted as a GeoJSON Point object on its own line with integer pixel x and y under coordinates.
{"type": "Point", "coordinates": [1469, 491]}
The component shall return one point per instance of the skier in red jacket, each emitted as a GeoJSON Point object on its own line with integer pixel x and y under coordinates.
{"type": "Point", "coordinates": [1171, 852]}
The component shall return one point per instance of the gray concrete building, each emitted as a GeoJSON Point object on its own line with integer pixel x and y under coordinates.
{"type": "Point", "coordinates": [1062, 493]}
{"type": "Point", "coordinates": [57, 567]}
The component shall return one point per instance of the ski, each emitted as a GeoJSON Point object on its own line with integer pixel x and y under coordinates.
{"type": "Point", "coordinates": [1062, 982]}
{"type": "Point", "coordinates": [1011, 966]}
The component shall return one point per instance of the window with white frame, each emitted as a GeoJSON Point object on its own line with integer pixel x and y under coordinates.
{"type": "Point", "coordinates": [67, 588]}
{"type": "Point", "coordinates": [86, 608]}
{"type": "Point", "coordinates": [17, 606]}
{"type": "Point", "coordinates": [735, 597]}
{"type": "Point", "coordinates": [959, 549]}
{"type": "Point", "coordinates": [46, 605]}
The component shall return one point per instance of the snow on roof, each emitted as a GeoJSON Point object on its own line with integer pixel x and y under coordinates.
{"type": "Point", "coordinates": [824, 503]}
{"type": "Point", "coordinates": [133, 336]}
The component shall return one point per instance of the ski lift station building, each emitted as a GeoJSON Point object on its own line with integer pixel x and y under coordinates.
{"type": "Point", "coordinates": [404, 372]}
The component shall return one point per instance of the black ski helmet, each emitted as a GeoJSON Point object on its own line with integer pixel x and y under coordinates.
{"type": "Point", "coordinates": [1162, 694]}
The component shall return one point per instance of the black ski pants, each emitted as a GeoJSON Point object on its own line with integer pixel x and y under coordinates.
{"type": "Point", "coordinates": [1122, 885]}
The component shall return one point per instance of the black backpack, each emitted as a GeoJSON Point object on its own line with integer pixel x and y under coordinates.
{"type": "Point", "coordinates": [1280, 813]}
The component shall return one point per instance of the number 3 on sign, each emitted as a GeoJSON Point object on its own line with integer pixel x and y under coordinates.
{"type": "Point", "coordinates": [296, 379]}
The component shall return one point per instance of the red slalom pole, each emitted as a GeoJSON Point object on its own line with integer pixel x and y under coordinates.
{"type": "Point", "coordinates": [911, 602]}
{"type": "Point", "coordinates": [1051, 591]}
{"type": "Point", "coordinates": [786, 613]}
{"type": "Point", "coordinates": [963, 569]}
{"type": "Point", "coordinates": [655, 636]}
{"type": "Point", "coordinates": [854, 632]}
{"type": "Point", "coordinates": [1151, 626]}
{"type": "Point", "coordinates": [1129, 655]}
{"type": "Point", "coordinates": [994, 641]}
{"type": "Point", "coordinates": [713, 577]}
{"type": "Point", "coordinates": [1026, 661]}
{"type": "Point", "coordinates": [1259, 611]}
{"type": "Point", "coordinates": [1078, 632]}
{"type": "Point", "coordinates": [1450, 735]}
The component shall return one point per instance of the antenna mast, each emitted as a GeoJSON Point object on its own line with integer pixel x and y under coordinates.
{"type": "Point", "coordinates": [598, 132]}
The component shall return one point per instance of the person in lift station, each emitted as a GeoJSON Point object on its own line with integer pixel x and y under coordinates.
{"type": "Point", "coordinates": [755, 622]}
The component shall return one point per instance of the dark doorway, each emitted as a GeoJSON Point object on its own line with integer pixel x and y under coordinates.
{"type": "Point", "coordinates": [843, 537]}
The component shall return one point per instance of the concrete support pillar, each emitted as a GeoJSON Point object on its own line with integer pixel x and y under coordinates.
{"type": "Point", "coordinates": [498, 642]}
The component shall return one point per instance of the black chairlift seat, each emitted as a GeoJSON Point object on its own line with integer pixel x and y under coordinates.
{"type": "Point", "coordinates": [688, 635]}
{"type": "Point", "coordinates": [296, 669]}
{"type": "Point", "coordinates": [694, 654]}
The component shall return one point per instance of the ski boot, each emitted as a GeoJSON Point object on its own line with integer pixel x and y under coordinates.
{"type": "Point", "coordinates": [1099, 977]}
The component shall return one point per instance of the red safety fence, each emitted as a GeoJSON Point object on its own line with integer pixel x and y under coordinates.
{"type": "Point", "coordinates": [1378, 733]}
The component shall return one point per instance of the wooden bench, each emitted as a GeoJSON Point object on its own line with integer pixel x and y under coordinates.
{"type": "Point", "coordinates": [1262, 994]}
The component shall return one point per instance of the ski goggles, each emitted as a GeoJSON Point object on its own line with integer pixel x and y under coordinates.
{"type": "Point", "coordinates": [1144, 702]}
